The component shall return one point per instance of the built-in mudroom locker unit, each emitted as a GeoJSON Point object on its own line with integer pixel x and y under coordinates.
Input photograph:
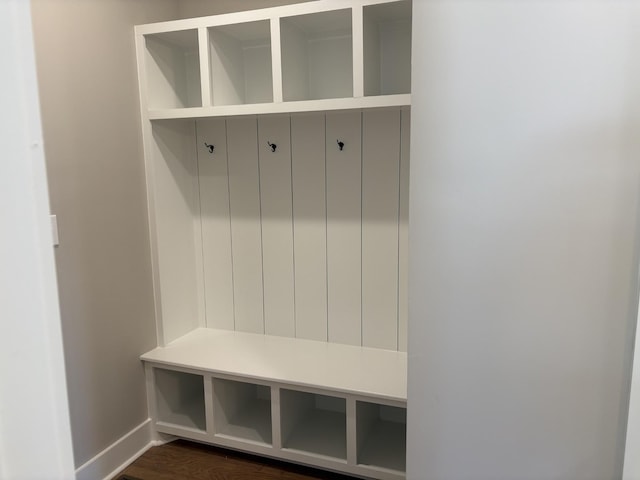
{"type": "Point", "coordinates": [277, 162]}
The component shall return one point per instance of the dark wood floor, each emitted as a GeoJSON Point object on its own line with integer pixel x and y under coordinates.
{"type": "Point", "coordinates": [182, 460]}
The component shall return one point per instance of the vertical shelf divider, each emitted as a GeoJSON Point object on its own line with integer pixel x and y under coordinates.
{"type": "Point", "coordinates": [276, 60]}
{"type": "Point", "coordinates": [358, 51]}
{"type": "Point", "coordinates": [205, 66]}
{"type": "Point", "coordinates": [276, 432]}
{"type": "Point", "coordinates": [352, 441]}
{"type": "Point", "coordinates": [208, 405]}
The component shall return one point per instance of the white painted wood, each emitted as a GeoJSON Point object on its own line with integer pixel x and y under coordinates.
{"type": "Point", "coordinates": [175, 213]}
{"type": "Point", "coordinates": [216, 222]}
{"type": "Point", "coordinates": [295, 73]}
{"type": "Point", "coordinates": [376, 373]}
{"type": "Point", "coordinates": [381, 436]}
{"type": "Point", "coordinates": [403, 231]}
{"type": "Point", "coordinates": [380, 208]}
{"type": "Point", "coordinates": [323, 46]}
{"type": "Point", "coordinates": [180, 399]}
{"type": "Point", "coordinates": [352, 432]}
{"type": "Point", "coordinates": [344, 227]}
{"type": "Point", "coordinates": [117, 456]}
{"type": "Point", "coordinates": [387, 48]}
{"type": "Point", "coordinates": [277, 225]}
{"type": "Point", "coordinates": [631, 469]}
{"type": "Point", "coordinates": [246, 236]}
{"type": "Point", "coordinates": [173, 69]}
{"type": "Point", "coordinates": [242, 410]}
{"type": "Point", "coordinates": [381, 101]}
{"type": "Point", "coordinates": [318, 425]}
{"type": "Point", "coordinates": [205, 66]}
{"type": "Point", "coordinates": [358, 51]}
{"type": "Point", "coordinates": [33, 400]}
{"type": "Point", "coordinates": [276, 59]}
{"type": "Point", "coordinates": [309, 225]}
{"type": "Point", "coordinates": [241, 63]}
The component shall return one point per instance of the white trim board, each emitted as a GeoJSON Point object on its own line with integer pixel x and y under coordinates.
{"type": "Point", "coordinates": [118, 455]}
{"type": "Point", "coordinates": [632, 447]}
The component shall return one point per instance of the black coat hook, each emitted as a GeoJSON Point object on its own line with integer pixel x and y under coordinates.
{"type": "Point", "coordinates": [340, 144]}
{"type": "Point", "coordinates": [210, 147]}
{"type": "Point", "coordinates": [272, 145]}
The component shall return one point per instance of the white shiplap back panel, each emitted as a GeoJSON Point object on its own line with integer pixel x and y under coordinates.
{"type": "Point", "coordinates": [176, 210]}
{"type": "Point", "coordinates": [216, 222]}
{"type": "Point", "coordinates": [277, 224]}
{"type": "Point", "coordinates": [246, 236]}
{"type": "Point", "coordinates": [344, 227]}
{"type": "Point", "coordinates": [309, 225]}
{"type": "Point", "coordinates": [380, 209]}
{"type": "Point", "coordinates": [403, 232]}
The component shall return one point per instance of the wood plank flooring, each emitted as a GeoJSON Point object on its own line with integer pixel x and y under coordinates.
{"type": "Point", "coordinates": [182, 460]}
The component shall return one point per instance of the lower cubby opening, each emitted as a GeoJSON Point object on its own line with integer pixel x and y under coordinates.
{"type": "Point", "coordinates": [242, 410]}
{"type": "Point", "coordinates": [180, 399]}
{"type": "Point", "coordinates": [314, 424]}
{"type": "Point", "coordinates": [381, 432]}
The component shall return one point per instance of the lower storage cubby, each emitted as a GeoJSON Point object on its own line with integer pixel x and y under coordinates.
{"type": "Point", "coordinates": [180, 399]}
{"type": "Point", "coordinates": [242, 410]}
{"type": "Point", "coordinates": [381, 433]}
{"type": "Point", "coordinates": [314, 424]}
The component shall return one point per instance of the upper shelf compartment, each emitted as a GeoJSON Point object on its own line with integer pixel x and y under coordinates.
{"type": "Point", "coordinates": [387, 48]}
{"type": "Point", "coordinates": [317, 55]}
{"type": "Point", "coordinates": [241, 67]}
{"type": "Point", "coordinates": [172, 69]}
{"type": "Point", "coordinates": [311, 56]}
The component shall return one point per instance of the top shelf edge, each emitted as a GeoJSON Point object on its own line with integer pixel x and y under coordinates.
{"type": "Point", "coordinates": [381, 101]}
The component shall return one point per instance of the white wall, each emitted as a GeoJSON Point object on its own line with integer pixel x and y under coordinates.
{"type": "Point", "coordinates": [524, 238]}
{"type": "Point", "coordinates": [35, 436]}
{"type": "Point", "coordinates": [88, 86]}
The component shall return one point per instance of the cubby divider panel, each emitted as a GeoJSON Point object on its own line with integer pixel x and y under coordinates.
{"type": "Point", "coordinates": [242, 410]}
{"type": "Point", "coordinates": [173, 70]}
{"type": "Point", "coordinates": [180, 399]}
{"type": "Point", "coordinates": [317, 55]}
{"type": "Point", "coordinates": [241, 65]}
{"type": "Point", "coordinates": [381, 432]}
{"type": "Point", "coordinates": [387, 48]}
{"type": "Point", "coordinates": [313, 423]}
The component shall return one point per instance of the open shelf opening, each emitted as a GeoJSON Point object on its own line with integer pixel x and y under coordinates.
{"type": "Point", "coordinates": [172, 66]}
{"type": "Point", "coordinates": [241, 69]}
{"type": "Point", "coordinates": [381, 436]}
{"type": "Point", "coordinates": [242, 410]}
{"type": "Point", "coordinates": [387, 48]}
{"type": "Point", "coordinates": [313, 423]}
{"type": "Point", "coordinates": [317, 56]}
{"type": "Point", "coordinates": [180, 399]}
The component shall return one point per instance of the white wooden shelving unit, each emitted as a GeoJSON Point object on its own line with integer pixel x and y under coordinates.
{"type": "Point", "coordinates": [276, 151]}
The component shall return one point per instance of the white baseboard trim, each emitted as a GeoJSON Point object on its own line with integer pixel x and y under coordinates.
{"type": "Point", "coordinates": [118, 455]}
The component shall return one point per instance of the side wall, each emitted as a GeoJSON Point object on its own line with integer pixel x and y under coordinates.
{"type": "Point", "coordinates": [524, 238]}
{"type": "Point", "coordinates": [86, 69]}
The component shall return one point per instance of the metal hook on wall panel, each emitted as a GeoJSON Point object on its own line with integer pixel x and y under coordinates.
{"type": "Point", "coordinates": [340, 144]}
{"type": "Point", "coordinates": [209, 147]}
{"type": "Point", "coordinates": [272, 145]}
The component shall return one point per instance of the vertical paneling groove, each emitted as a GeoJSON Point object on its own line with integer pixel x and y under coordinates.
{"type": "Point", "coordinates": [216, 226]}
{"type": "Point", "coordinates": [380, 207]}
{"type": "Point", "coordinates": [403, 231]}
{"type": "Point", "coordinates": [277, 225]}
{"type": "Point", "coordinates": [344, 227]}
{"type": "Point", "coordinates": [246, 235]}
{"type": "Point", "coordinates": [309, 225]}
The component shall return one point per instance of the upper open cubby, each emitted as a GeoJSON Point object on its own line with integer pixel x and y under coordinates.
{"type": "Point", "coordinates": [172, 69]}
{"type": "Point", "coordinates": [387, 48]}
{"type": "Point", "coordinates": [241, 63]}
{"type": "Point", "coordinates": [317, 55]}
